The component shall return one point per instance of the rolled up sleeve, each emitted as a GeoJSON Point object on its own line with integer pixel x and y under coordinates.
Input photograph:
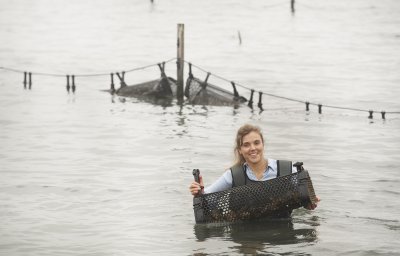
{"type": "Point", "coordinates": [222, 183]}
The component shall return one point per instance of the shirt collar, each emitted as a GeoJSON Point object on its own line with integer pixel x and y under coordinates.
{"type": "Point", "coordinates": [271, 164]}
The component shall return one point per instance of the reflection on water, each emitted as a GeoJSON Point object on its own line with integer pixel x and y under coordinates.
{"type": "Point", "coordinates": [257, 235]}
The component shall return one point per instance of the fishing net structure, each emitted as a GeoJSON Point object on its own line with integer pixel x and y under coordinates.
{"type": "Point", "coordinates": [199, 92]}
{"type": "Point", "coordinates": [272, 198]}
{"type": "Point", "coordinates": [162, 88]}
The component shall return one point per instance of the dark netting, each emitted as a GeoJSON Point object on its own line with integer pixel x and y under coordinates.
{"type": "Point", "coordinates": [159, 88]}
{"type": "Point", "coordinates": [203, 93]}
{"type": "Point", "coordinates": [271, 198]}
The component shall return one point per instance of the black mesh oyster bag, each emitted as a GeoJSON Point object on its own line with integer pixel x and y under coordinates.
{"type": "Point", "coordinates": [271, 198]}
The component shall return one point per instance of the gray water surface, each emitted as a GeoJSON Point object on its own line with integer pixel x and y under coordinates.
{"type": "Point", "coordinates": [94, 174]}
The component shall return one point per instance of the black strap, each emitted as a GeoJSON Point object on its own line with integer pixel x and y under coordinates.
{"type": "Point", "coordinates": [238, 175]}
{"type": "Point", "coordinates": [284, 168]}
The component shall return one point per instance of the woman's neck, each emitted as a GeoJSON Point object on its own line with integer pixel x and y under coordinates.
{"type": "Point", "coordinates": [259, 168]}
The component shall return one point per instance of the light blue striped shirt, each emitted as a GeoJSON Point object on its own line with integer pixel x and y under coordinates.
{"type": "Point", "coordinates": [225, 181]}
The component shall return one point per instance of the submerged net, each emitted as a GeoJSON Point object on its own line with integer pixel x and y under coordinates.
{"type": "Point", "coordinates": [159, 88]}
{"type": "Point", "coordinates": [271, 198]}
{"type": "Point", "coordinates": [201, 92]}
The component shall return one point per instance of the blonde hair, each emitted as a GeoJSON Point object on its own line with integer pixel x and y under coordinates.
{"type": "Point", "coordinates": [243, 131]}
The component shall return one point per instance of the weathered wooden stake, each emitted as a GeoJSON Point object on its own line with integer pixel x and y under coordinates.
{"type": "Point", "coordinates": [180, 62]}
{"type": "Point", "coordinates": [292, 6]}
{"type": "Point", "coordinates": [73, 87]}
{"type": "Point", "coordinates": [68, 87]}
{"type": "Point", "coordinates": [112, 83]}
{"type": "Point", "coordinates": [25, 73]}
{"type": "Point", "coordinates": [30, 80]}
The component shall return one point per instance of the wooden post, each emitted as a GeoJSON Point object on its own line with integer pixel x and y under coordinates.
{"type": "Point", "coordinates": [292, 6]}
{"type": "Point", "coordinates": [30, 80]}
{"type": "Point", "coordinates": [25, 73]}
{"type": "Point", "coordinates": [240, 37]}
{"type": "Point", "coordinates": [180, 62]}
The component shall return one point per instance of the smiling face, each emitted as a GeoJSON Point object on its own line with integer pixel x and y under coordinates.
{"type": "Point", "coordinates": [252, 148]}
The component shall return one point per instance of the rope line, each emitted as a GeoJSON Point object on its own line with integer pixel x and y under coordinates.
{"type": "Point", "coordinates": [316, 7]}
{"type": "Point", "coordinates": [81, 75]}
{"type": "Point", "coordinates": [28, 82]}
{"type": "Point", "coordinates": [274, 5]}
{"type": "Point", "coordinates": [293, 99]}
{"type": "Point", "coordinates": [353, 109]}
{"type": "Point", "coordinates": [245, 87]}
{"type": "Point", "coordinates": [311, 7]}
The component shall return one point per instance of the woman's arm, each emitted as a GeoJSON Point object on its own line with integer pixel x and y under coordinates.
{"type": "Point", "coordinates": [222, 183]}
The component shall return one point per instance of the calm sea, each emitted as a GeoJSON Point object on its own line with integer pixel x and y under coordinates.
{"type": "Point", "coordinates": [94, 174]}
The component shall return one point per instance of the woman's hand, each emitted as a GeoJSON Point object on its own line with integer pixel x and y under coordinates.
{"type": "Point", "coordinates": [313, 206]}
{"type": "Point", "coordinates": [195, 187]}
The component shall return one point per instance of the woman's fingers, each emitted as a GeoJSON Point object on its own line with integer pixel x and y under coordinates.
{"type": "Point", "coordinates": [194, 188]}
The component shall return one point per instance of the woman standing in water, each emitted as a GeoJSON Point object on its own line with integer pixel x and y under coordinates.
{"type": "Point", "coordinates": [250, 159]}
